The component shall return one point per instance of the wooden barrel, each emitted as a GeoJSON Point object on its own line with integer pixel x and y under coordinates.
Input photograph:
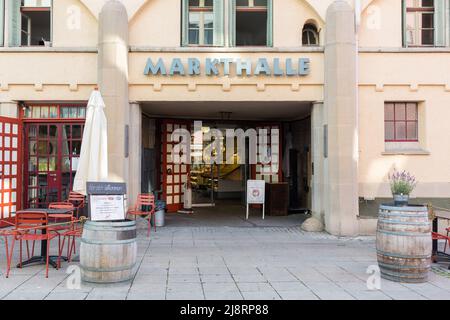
{"type": "Point", "coordinates": [108, 251]}
{"type": "Point", "coordinates": [404, 243]}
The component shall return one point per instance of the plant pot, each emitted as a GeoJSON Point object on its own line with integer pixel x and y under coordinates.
{"type": "Point", "coordinates": [401, 200]}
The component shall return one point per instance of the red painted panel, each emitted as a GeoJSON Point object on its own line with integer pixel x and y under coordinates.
{"type": "Point", "coordinates": [10, 168]}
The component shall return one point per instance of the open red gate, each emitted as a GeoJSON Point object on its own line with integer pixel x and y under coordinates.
{"type": "Point", "coordinates": [173, 175]}
{"type": "Point", "coordinates": [10, 186]}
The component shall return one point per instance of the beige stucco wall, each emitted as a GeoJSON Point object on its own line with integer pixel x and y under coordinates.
{"type": "Point", "coordinates": [381, 24]}
{"type": "Point", "coordinates": [404, 77]}
{"type": "Point", "coordinates": [73, 25]}
{"type": "Point", "coordinates": [220, 88]}
{"type": "Point", "coordinates": [47, 76]}
{"type": "Point", "coordinates": [68, 72]}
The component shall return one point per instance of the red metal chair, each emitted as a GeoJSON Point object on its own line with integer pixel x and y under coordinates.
{"type": "Point", "coordinates": [29, 220]}
{"type": "Point", "coordinates": [62, 218]}
{"type": "Point", "coordinates": [6, 233]}
{"type": "Point", "coordinates": [144, 206]}
{"type": "Point", "coordinates": [78, 201]}
{"type": "Point", "coordinates": [438, 236]}
{"type": "Point", "coordinates": [71, 235]}
{"type": "Point", "coordinates": [447, 242]}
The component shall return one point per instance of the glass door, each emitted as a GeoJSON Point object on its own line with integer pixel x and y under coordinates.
{"type": "Point", "coordinates": [51, 154]}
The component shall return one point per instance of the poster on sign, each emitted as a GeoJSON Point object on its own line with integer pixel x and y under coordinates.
{"type": "Point", "coordinates": [107, 207]}
{"type": "Point", "coordinates": [256, 193]}
{"type": "Point", "coordinates": [106, 201]}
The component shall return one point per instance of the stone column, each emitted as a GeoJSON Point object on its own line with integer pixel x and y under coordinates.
{"type": "Point", "coordinates": [113, 84]}
{"type": "Point", "coordinates": [340, 113]}
{"type": "Point", "coordinates": [134, 182]}
{"type": "Point", "coordinates": [315, 223]}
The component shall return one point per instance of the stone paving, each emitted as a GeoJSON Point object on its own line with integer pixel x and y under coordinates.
{"type": "Point", "coordinates": [252, 263]}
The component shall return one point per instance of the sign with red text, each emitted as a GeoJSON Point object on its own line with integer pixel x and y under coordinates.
{"type": "Point", "coordinates": [256, 191]}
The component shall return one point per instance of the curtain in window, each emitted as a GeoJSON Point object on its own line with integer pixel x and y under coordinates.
{"type": "Point", "coordinates": [14, 23]}
{"type": "Point", "coordinates": [185, 23]}
{"type": "Point", "coordinates": [404, 33]}
{"type": "Point", "coordinates": [269, 23]}
{"type": "Point", "coordinates": [2, 22]}
{"type": "Point", "coordinates": [218, 23]}
{"type": "Point", "coordinates": [440, 23]}
{"type": "Point", "coordinates": [232, 24]}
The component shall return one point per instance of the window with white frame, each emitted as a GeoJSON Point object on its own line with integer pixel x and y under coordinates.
{"type": "Point", "coordinates": [30, 22]}
{"type": "Point", "coordinates": [251, 23]}
{"type": "Point", "coordinates": [203, 23]}
{"type": "Point", "coordinates": [2, 22]}
{"type": "Point", "coordinates": [425, 22]}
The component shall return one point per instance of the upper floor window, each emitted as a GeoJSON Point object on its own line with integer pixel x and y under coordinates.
{"type": "Point", "coordinates": [2, 22]}
{"type": "Point", "coordinates": [30, 22]}
{"type": "Point", "coordinates": [424, 22]}
{"type": "Point", "coordinates": [310, 35]}
{"type": "Point", "coordinates": [251, 23]}
{"type": "Point", "coordinates": [401, 122]}
{"type": "Point", "coordinates": [203, 23]}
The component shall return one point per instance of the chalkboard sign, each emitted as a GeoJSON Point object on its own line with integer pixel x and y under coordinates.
{"type": "Point", "coordinates": [106, 188]}
{"type": "Point", "coordinates": [106, 200]}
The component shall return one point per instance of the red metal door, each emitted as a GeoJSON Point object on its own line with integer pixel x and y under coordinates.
{"type": "Point", "coordinates": [51, 154]}
{"type": "Point", "coordinates": [10, 185]}
{"type": "Point", "coordinates": [173, 175]}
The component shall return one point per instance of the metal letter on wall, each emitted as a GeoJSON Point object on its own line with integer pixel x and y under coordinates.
{"type": "Point", "coordinates": [325, 141]}
{"type": "Point", "coordinates": [127, 141]}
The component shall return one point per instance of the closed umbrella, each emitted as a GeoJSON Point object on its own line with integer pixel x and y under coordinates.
{"type": "Point", "coordinates": [93, 162]}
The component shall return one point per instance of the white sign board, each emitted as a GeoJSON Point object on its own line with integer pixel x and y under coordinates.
{"type": "Point", "coordinates": [256, 191]}
{"type": "Point", "coordinates": [107, 207]}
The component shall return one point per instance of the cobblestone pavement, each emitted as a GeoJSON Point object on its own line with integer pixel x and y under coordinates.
{"type": "Point", "coordinates": [233, 263]}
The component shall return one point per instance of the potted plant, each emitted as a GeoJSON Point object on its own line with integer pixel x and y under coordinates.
{"type": "Point", "coordinates": [402, 184]}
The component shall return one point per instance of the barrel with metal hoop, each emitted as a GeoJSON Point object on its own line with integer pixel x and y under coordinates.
{"type": "Point", "coordinates": [108, 251]}
{"type": "Point", "coordinates": [404, 243]}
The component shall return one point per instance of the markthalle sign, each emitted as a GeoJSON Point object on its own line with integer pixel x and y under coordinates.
{"type": "Point", "coordinates": [225, 66]}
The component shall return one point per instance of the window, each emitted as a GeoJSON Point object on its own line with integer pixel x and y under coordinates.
{"type": "Point", "coordinates": [2, 22]}
{"type": "Point", "coordinates": [54, 112]}
{"type": "Point", "coordinates": [203, 23]}
{"type": "Point", "coordinates": [251, 23]}
{"type": "Point", "coordinates": [310, 35]}
{"type": "Point", "coordinates": [424, 22]}
{"type": "Point", "coordinates": [401, 122]}
{"type": "Point", "coordinates": [30, 23]}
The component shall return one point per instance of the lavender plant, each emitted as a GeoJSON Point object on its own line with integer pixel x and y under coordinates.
{"type": "Point", "coordinates": [402, 183]}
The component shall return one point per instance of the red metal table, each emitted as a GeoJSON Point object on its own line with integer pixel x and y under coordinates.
{"type": "Point", "coordinates": [41, 259]}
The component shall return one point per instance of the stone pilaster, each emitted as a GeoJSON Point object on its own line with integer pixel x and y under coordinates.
{"type": "Point", "coordinates": [134, 181]}
{"type": "Point", "coordinates": [315, 223]}
{"type": "Point", "coordinates": [340, 114]}
{"type": "Point", "coordinates": [113, 84]}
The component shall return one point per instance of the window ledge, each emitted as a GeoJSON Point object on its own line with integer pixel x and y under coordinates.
{"type": "Point", "coordinates": [188, 49]}
{"type": "Point", "coordinates": [404, 50]}
{"type": "Point", "coordinates": [49, 49]}
{"type": "Point", "coordinates": [414, 152]}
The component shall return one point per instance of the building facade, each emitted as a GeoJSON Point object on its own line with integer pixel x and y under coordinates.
{"type": "Point", "coordinates": [354, 88]}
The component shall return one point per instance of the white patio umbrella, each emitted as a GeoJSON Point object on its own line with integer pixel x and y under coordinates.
{"type": "Point", "coordinates": [93, 162]}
